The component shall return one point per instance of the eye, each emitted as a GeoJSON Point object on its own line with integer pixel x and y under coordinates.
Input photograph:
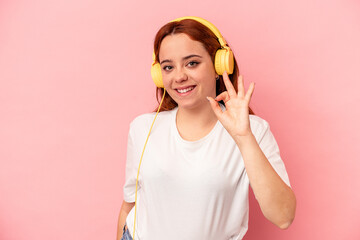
{"type": "Point", "coordinates": [167, 68]}
{"type": "Point", "coordinates": [193, 63]}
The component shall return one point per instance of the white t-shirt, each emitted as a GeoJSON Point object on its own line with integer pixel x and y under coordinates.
{"type": "Point", "coordinates": [191, 189]}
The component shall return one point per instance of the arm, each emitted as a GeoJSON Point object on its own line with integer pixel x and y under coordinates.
{"type": "Point", "coordinates": [124, 211]}
{"type": "Point", "coordinates": [276, 199]}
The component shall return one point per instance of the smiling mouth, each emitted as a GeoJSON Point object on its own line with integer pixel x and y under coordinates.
{"type": "Point", "coordinates": [185, 90]}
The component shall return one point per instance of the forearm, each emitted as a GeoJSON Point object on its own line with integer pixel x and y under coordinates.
{"type": "Point", "coordinates": [124, 211]}
{"type": "Point", "coordinates": [276, 199]}
{"type": "Point", "coordinates": [121, 223]}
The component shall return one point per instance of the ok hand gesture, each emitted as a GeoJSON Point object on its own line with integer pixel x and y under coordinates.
{"type": "Point", "coordinates": [235, 118]}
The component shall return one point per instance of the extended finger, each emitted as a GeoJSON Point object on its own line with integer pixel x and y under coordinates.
{"type": "Point", "coordinates": [250, 91]}
{"type": "Point", "coordinates": [229, 87]}
{"type": "Point", "coordinates": [224, 96]}
{"type": "Point", "coordinates": [241, 86]}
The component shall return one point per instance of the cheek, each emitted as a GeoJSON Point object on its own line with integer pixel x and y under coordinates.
{"type": "Point", "coordinates": [166, 81]}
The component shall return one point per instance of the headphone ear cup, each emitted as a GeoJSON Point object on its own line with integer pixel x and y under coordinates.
{"type": "Point", "coordinates": [224, 61]}
{"type": "Point", "coordinates": [156, 75]}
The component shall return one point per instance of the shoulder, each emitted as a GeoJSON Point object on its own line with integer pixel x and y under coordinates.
{"type": "Point", "coordinates": [258, 122]}
{"type": "Point", "coordinates": [258, 125]}
{"type": "Point", "coordinates": [143, 122]}
{"type": "Point", "coordinates": [149, 117]}
{"type": "Point", "coordinates": [141, 119]}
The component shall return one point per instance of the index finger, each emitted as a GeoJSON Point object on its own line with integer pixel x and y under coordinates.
{"type": "Point", "coordinates": [229, 87]}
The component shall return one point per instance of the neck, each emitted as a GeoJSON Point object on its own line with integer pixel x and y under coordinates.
{"type": "Point", "coordinates": [197, 118]}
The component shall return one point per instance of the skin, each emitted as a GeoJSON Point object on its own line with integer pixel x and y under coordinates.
{"type": "Point", "coordinates": [124, 211]}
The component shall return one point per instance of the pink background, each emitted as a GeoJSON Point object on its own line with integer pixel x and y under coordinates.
{"type": "Point", "coordinates": [73, 74]}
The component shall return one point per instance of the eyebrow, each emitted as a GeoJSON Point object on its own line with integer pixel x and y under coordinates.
{"type": "Point", "coordinates": [184, 58]}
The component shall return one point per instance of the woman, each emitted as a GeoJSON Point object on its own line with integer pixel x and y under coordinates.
{"type": "Point", "coordinates": [205, 149]}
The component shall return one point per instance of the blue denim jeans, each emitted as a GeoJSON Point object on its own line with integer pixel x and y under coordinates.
{"type": "Point", "coordinates": [126, 234]}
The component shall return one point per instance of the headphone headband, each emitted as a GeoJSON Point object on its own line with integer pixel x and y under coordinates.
{"type": "Point", "coordinates": [208, 25]}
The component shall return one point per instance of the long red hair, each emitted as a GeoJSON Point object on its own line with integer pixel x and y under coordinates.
{"type": "Point", "coordinates": [197, 32]}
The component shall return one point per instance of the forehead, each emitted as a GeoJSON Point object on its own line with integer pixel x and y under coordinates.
{"type": "Point", "coordinates": [180, 45]}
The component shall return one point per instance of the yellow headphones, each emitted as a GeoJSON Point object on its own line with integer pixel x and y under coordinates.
{"type": "Point", "coordinates": [224, 58]}
{"type": "Point", "coordinates": [224, 61]}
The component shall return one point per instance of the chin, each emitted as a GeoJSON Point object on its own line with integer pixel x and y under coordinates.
{"type": "Point", "coordinates": [182, 104]}
{"type": "Point", "coordinates": [190, 104]}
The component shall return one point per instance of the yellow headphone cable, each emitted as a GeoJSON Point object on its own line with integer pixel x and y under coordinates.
{"type": "Point", "coordinates": [141, 159]}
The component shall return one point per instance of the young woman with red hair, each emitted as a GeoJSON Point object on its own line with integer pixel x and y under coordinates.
{"type": "Point", "coordinates": [205, 149]}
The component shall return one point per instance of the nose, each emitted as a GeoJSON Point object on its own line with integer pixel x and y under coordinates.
{"type": "Point", "coordinates": [180, 75]}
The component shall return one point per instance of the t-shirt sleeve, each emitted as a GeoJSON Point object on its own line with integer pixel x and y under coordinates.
{"type": "Point", "coordinates": [130, 169]}
{"type": "Point", "coordinates": [271, 150]}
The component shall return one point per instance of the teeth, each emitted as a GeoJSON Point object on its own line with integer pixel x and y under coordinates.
{"type": "Point", "coordinates": [185, 90]}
